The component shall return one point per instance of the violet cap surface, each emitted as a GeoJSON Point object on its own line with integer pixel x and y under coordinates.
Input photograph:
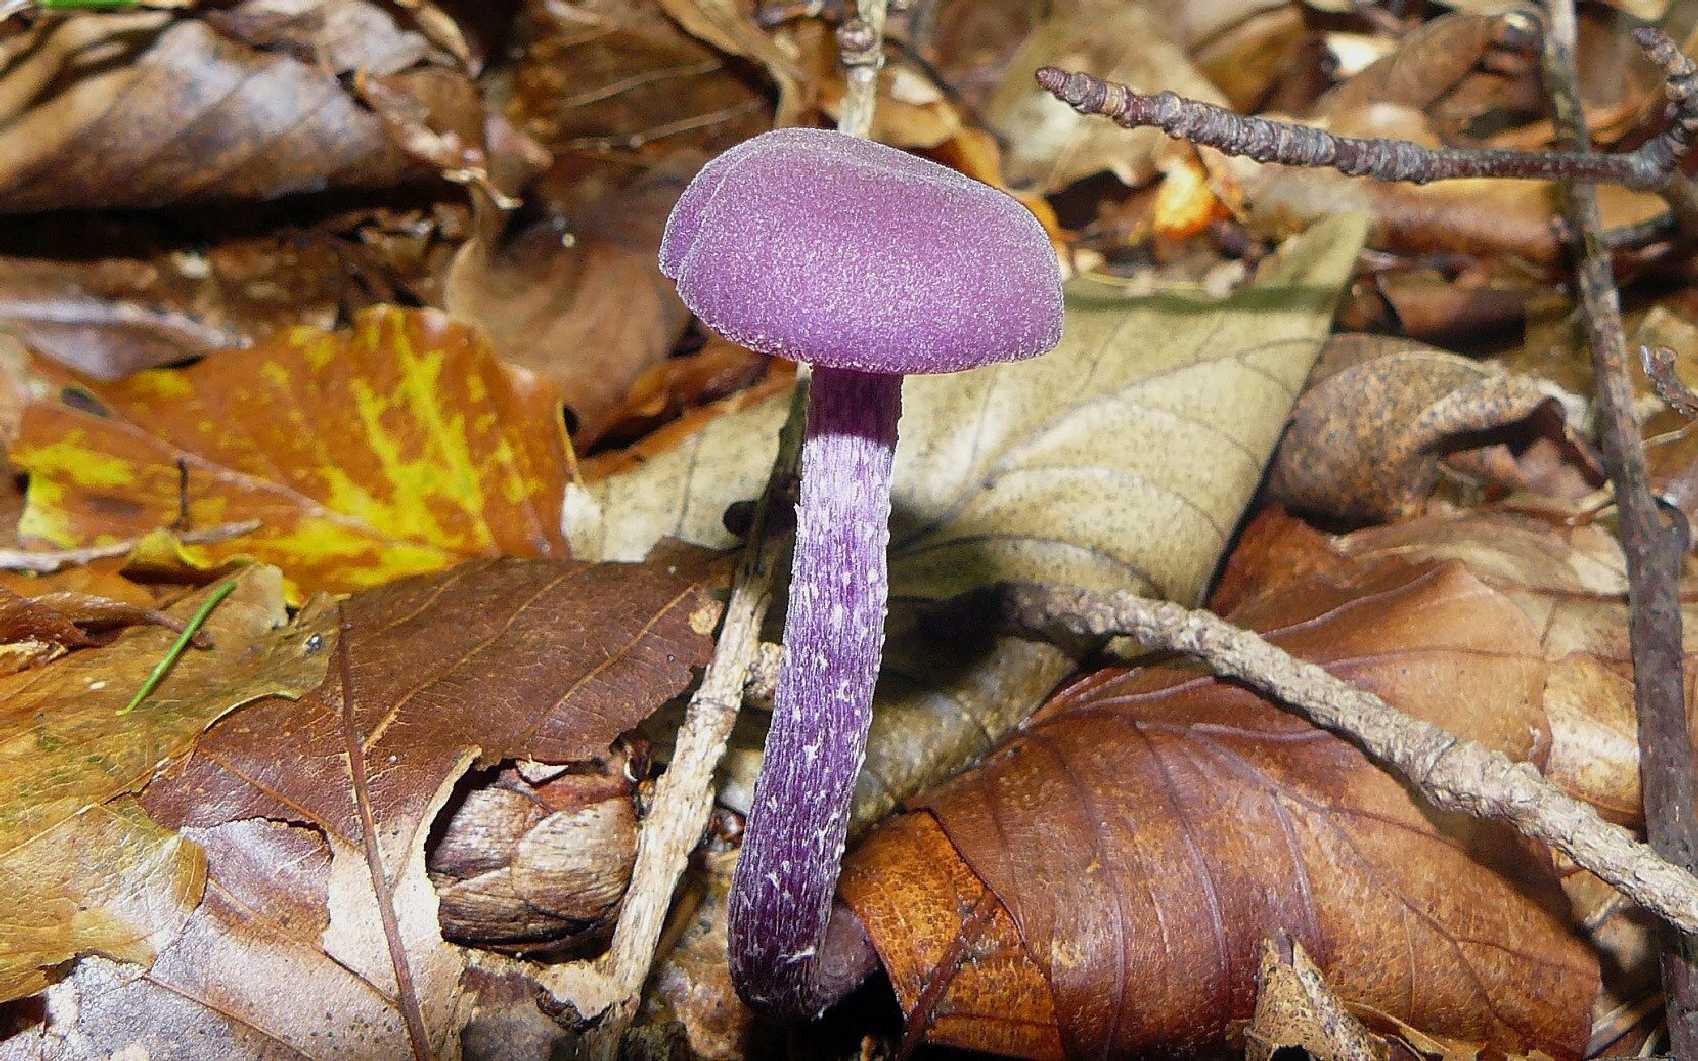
{"type": "Point", "coordinates": [840, 252]}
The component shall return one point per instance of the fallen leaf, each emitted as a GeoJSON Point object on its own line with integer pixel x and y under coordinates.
{"type": "Point", "coordinates": [1296, 1009]}
{"type": "Point", "coordinates": [492, 661]}
{"type": "Point", "coordinates": [605, 84]}
{"type": "Point", "coordinates": [1571, 584]}
{"type": "Point", "coordinates": [1121, 459]}
{"type": "Point", "coordinates": [582, 307]}
{"type": "Point", "coordinates": [726, 25]}
{"type": "Point", "coordinates": [438, 117]}
{"type": "Point", "coordinates": [100, 877]}
{"type": "Point", "coordinates": [1368, 436]}
{"type": "Point", "coordinates": [666, 391]}
{"type": "Point", "coordinates": [399, 447]}
{"type": "Point", "coordinates": [1427, 64]}
{"type": "Point", "coordinates": [951, 950]}
{"type": "Point", "coordinates": [110, 296]}
{"type": "Point", "coordinates": [1149, 827]}
{"type": "Point", "coordinates": [147, 108]}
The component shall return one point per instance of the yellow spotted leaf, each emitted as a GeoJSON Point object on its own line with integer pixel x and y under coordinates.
{"type": "Point", "coordinates": [398, 447]}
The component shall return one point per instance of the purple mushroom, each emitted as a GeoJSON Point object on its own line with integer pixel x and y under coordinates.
{"type": "Point", "coordinates": [869, 264]}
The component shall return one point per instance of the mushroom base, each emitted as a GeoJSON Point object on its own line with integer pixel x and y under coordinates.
{"type": "Point", "coordinates": [786, 876]}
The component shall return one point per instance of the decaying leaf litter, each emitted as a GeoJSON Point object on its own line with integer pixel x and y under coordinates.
{"type": "Point", "coordinates": [351, 311]}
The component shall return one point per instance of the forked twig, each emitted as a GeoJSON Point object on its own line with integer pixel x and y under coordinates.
{"type": "Point", "coordinates": [1266, 140]}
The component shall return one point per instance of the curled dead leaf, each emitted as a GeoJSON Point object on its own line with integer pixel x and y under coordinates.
{"type": "Point", "coordinates": [1368, 436]}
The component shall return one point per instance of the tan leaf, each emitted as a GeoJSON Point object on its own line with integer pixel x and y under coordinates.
{"type": "Point", "coordinates": [66, 752]}
{"type": "Point", "coordinates": [1050, 145]}
{"type": "Point", "coordinates": [1367, 437]}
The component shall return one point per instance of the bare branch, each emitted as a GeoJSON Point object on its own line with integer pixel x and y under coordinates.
{"type": "Point", "coordinates": [1450, 773]}
{"type": "Point", "coordinates": [1266, 140]}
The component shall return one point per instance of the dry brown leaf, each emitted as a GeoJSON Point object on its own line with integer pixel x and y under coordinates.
{"type": "Point", "coordinates": [494, 660]}
{"type": "Point", "coordinates": [1295, 1008]}
{"type": "Point", "coordinates": [668, 390]}
{"type": "Point", "coordinates": [952, 951]}
{"type": "Point", "coordinates": [1569, 579]}
{"type": "Point", "coordinates": [608, 85]}
{"type": "Point", "coordinates": [37, 629]}
{"type": "Point", "coordinates": [83, 873]}
{"type": "Point", "coordinates": [145, 109]}
{"type": "Point", "coordinates": [110, 295]}
{"type": "Point", "coordinates": [584, 308]}
{"type": "Point", "coordinates": [1368, 436]}
{"type": "Point", "coordinates": [1462, 216]}
{"type": "Point", "coordinates": [438, 117]}
{"type": "Point", "coordinates": [1428, 63]}
{"type": "Point", "coordinates": [1150, 827]}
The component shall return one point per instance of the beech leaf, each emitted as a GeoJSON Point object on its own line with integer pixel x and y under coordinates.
{"type": "Point", "coordinates": [399, 447]}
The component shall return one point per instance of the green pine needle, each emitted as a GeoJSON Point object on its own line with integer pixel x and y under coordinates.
{"type": "Point", "coordinates": [164, 666]}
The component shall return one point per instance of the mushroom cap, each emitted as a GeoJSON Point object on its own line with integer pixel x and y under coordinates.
{"type": "Point", "coordinates": [826, 248]}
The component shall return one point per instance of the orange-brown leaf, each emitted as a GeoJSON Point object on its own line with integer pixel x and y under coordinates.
{"type": "Point", "coordinates": [400, 447]}
{"type": "Point", "coordinates": [1151, 827]}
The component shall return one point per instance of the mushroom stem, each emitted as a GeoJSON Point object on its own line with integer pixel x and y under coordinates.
{"type": "Point", "coordinates": [781, 896]}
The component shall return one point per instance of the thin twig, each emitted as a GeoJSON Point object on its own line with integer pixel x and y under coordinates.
{"type": "Point", "coordinates": [1653, 550]}
{"type": "Point", "coordinates": [1450, 773]}
{"type": "Point", "coordinates": [1266, 140]}
{"type": "Point", "coordinates": [860, 47]}
{"type": "Point", "coordinates": [45, 561]}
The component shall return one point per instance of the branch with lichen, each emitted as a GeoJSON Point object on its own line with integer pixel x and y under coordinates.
{"type": "Point", "coordinates": [1450, 773]}
{"type": "Point", "coordinates": [1266, 140]}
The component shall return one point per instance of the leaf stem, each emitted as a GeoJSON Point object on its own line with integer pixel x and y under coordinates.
{"type": "Point", "coordinates": [181, 645]}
